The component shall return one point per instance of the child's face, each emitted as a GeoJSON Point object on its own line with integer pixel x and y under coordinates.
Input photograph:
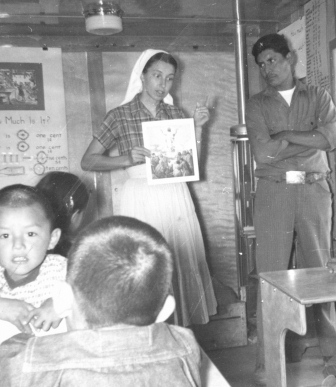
{"type": "Point", "coordinates": [25, 237]}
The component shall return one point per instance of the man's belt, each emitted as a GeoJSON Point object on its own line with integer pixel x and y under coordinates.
{"type": "Point", "coordinates": [299, 177]}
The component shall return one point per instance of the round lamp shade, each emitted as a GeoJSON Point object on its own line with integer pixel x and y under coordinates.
{"type": "Point", "coordinates": [103, 24]}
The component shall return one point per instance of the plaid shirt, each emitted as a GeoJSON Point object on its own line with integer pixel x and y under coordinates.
{"type": "Point", "coordinates": [122, 125]}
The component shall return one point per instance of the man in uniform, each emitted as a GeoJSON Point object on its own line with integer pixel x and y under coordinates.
{"type": "Point", "coordinates": [291, 126]}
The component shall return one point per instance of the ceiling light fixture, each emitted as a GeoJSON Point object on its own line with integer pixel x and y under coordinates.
{"type": "Point", "coordinates": [103, 18]}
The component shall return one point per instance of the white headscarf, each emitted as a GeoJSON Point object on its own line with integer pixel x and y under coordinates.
{"type": "Point", "coordinates": [135, 84]}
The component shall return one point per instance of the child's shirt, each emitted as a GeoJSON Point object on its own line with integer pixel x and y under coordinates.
{"type": "Point", "coordinates": [120, 355]}
{"type": "Point", "coordinates": [52, 271]}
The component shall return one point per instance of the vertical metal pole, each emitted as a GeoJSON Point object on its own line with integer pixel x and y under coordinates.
{"type": "Point", "coordinates": [242, 160]}
{"type": "Point", "coordinates": [240, 60]}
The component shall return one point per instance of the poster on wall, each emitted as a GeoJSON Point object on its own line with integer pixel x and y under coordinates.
{"type": "Point", "coordinates": [21, 86]}
{"type": "Point", "coordinates": [173, 150]}
{"type": "Point", "coordinates": [296, 35]}
{"type": "Point", "coordinates": [32, 115]}
{"type": "Point", "coordinates": [316, 42]}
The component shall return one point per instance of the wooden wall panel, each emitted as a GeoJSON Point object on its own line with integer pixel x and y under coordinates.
{"type": "Point", "coordinates": [77, 103]}
{"type": "Point", "coordinates": [98, 109]}
{"type": "Point", "coordinates": [213, 75]}
{"type": "Point", "coordinates": [78, 118]}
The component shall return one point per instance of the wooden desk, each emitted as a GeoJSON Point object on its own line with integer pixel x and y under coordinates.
{"type": "Point", "coordinates": [285, 295]}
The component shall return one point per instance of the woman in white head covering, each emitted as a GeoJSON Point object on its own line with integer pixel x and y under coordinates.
{"type": "Point", "coordinates": [167, 207]}
{"type": "Point", "coordinates": [135, 82]}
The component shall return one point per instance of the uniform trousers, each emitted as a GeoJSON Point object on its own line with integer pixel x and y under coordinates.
{"type": "Point", "coordinates": [280, 210]}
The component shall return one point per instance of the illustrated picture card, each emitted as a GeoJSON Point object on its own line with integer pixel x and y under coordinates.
{"type": "Point", "coordinates": [21, 86]}
{"type": "Point", "coordinates": [173, 151]}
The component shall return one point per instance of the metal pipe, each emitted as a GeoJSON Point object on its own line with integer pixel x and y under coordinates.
{"type": "Point", "coordinates": [190, 20]}
{"type": "Point", "coordinates": [240, 60]}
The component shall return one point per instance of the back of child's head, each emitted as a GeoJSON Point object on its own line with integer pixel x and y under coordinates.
{"type": "Point", "coordinates": [20, 195]}
{"type": "Point", "coordinates": [67, 194]}
{"type": "Point", "coordinates": [120, 270]}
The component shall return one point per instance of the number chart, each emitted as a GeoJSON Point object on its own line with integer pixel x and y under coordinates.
{"type": "Point", "coordinates": [33, 135]}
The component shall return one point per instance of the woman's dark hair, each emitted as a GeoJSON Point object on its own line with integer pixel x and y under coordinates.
{"type": "Point", "coordinates": [67, 194]}
{"type": "Point", "coordinates": [275, 42]}
{"type": "Point", "coordinates": [160, 56]}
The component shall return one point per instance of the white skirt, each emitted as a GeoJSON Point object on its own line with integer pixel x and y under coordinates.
{"type": "Point", "coordinates": [169, 208]}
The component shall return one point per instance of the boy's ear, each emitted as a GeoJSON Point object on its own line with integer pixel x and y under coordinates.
{"type": "Point", "coordinates": [167, 309]}
{"type": "Point", "coordinates": [76, 219]}
{"type": "Point", "coordinates": [75, 215]}
{"type": "Point", "coordinates": [54, 238]}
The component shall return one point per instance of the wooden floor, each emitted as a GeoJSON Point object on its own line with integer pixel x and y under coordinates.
{"type": "Point", "coordinates": [237, 365]}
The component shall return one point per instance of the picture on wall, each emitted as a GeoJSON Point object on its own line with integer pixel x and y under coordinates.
{"type": "Point", "coordinates": [21, 86]}
{"type": "Point", "coordinates": [173, 150]}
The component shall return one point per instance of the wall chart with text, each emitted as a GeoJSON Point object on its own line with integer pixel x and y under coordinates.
{"type": "Point", "coordinates": [33, 135]}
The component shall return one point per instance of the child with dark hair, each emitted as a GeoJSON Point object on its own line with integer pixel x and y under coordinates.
{"type": "Point", "coordinates": [28, 273]}
{"type": "Point", "coordinates": [69, 197]}
{"type": "Point", "coordinates": [139, 266]}
{"type": "Point", "coordinates": [117, 296]}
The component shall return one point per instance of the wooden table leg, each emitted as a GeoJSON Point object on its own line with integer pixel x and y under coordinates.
{"type": "Point", "coordinates": [280, 313]}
